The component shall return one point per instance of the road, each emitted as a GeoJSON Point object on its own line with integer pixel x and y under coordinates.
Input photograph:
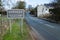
{"type": "Point", "coordinates": [48, 30]}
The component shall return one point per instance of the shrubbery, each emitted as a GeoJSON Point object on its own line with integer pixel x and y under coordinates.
{"type": "Point", "coordinates": [56, 14]}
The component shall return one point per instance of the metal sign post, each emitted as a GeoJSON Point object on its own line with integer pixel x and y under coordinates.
{"type": "Point", "coordinates": [10, 25]}
{"type": "Point", "coordinates": [22, 25]}
{"type": "Point", "coordinates": [16, 14]}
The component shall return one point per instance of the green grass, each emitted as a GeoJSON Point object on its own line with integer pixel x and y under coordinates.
{"type": "Point", "coordinates": [4, 18]}
{"type": "Point", "coordinates": [16, 32]}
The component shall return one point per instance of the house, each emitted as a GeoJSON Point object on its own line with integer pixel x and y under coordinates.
{"type": "Point", "coordinates": [43, 11]}
{"type": "Point", "coordinates": [2, 10]}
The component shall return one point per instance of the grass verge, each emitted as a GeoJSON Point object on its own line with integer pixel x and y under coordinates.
{"type": "Point", "coordinates": [16, 32]}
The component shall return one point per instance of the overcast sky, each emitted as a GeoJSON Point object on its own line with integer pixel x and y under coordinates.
{"type": "Point", "coordinates": [10, 3]}
{"type": "Point", "coordinates": [37, 2]}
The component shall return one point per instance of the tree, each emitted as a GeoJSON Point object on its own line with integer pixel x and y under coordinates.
{"type": "Point", "coordinates": [0, 3]}
{"type": "Point", "coordinates": [20, 5]}
{"type": "Point", "coordinates": [56, 10]}
{"type": "Point", "coordinates": [2, 10]}
{"type": "Point", "coordinates": [34, 11]}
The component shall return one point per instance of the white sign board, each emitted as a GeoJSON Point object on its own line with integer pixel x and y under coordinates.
{"type": "Point", "coordinates": [15, 13]}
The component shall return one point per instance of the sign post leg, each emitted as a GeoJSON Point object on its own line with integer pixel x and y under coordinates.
{"type": "Point", "coordinates": [22, 26]}
{"type": "Point", "coordinates": [10, 26]}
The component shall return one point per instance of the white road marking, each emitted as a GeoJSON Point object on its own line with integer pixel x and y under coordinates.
{"type": "Point", "coordinates": [43, 23]}
{"type": "Point", "coordinates": [49, 25]}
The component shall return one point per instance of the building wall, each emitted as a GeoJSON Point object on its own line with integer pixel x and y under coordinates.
{"type": "Point", "coordinates": [42, 11]}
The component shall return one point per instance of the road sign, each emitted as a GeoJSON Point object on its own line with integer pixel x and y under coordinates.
{"type": "Point", "coordinates": [15, 13]}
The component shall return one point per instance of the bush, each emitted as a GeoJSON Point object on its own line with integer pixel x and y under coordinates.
{"type": "Point", "coordinates": [56, 13]}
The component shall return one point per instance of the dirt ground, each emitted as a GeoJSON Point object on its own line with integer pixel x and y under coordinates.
{"type": "Point", "coordinates": [4, 25]}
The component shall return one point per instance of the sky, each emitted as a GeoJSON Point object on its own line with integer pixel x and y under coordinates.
{"type": "Point", "coordinates": [11, 3]}
{"type": "Point", "coordinates": [37, 2]}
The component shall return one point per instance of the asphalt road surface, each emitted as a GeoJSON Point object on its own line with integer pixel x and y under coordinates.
{"type": "Point", "coordinates": [50, 31]}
